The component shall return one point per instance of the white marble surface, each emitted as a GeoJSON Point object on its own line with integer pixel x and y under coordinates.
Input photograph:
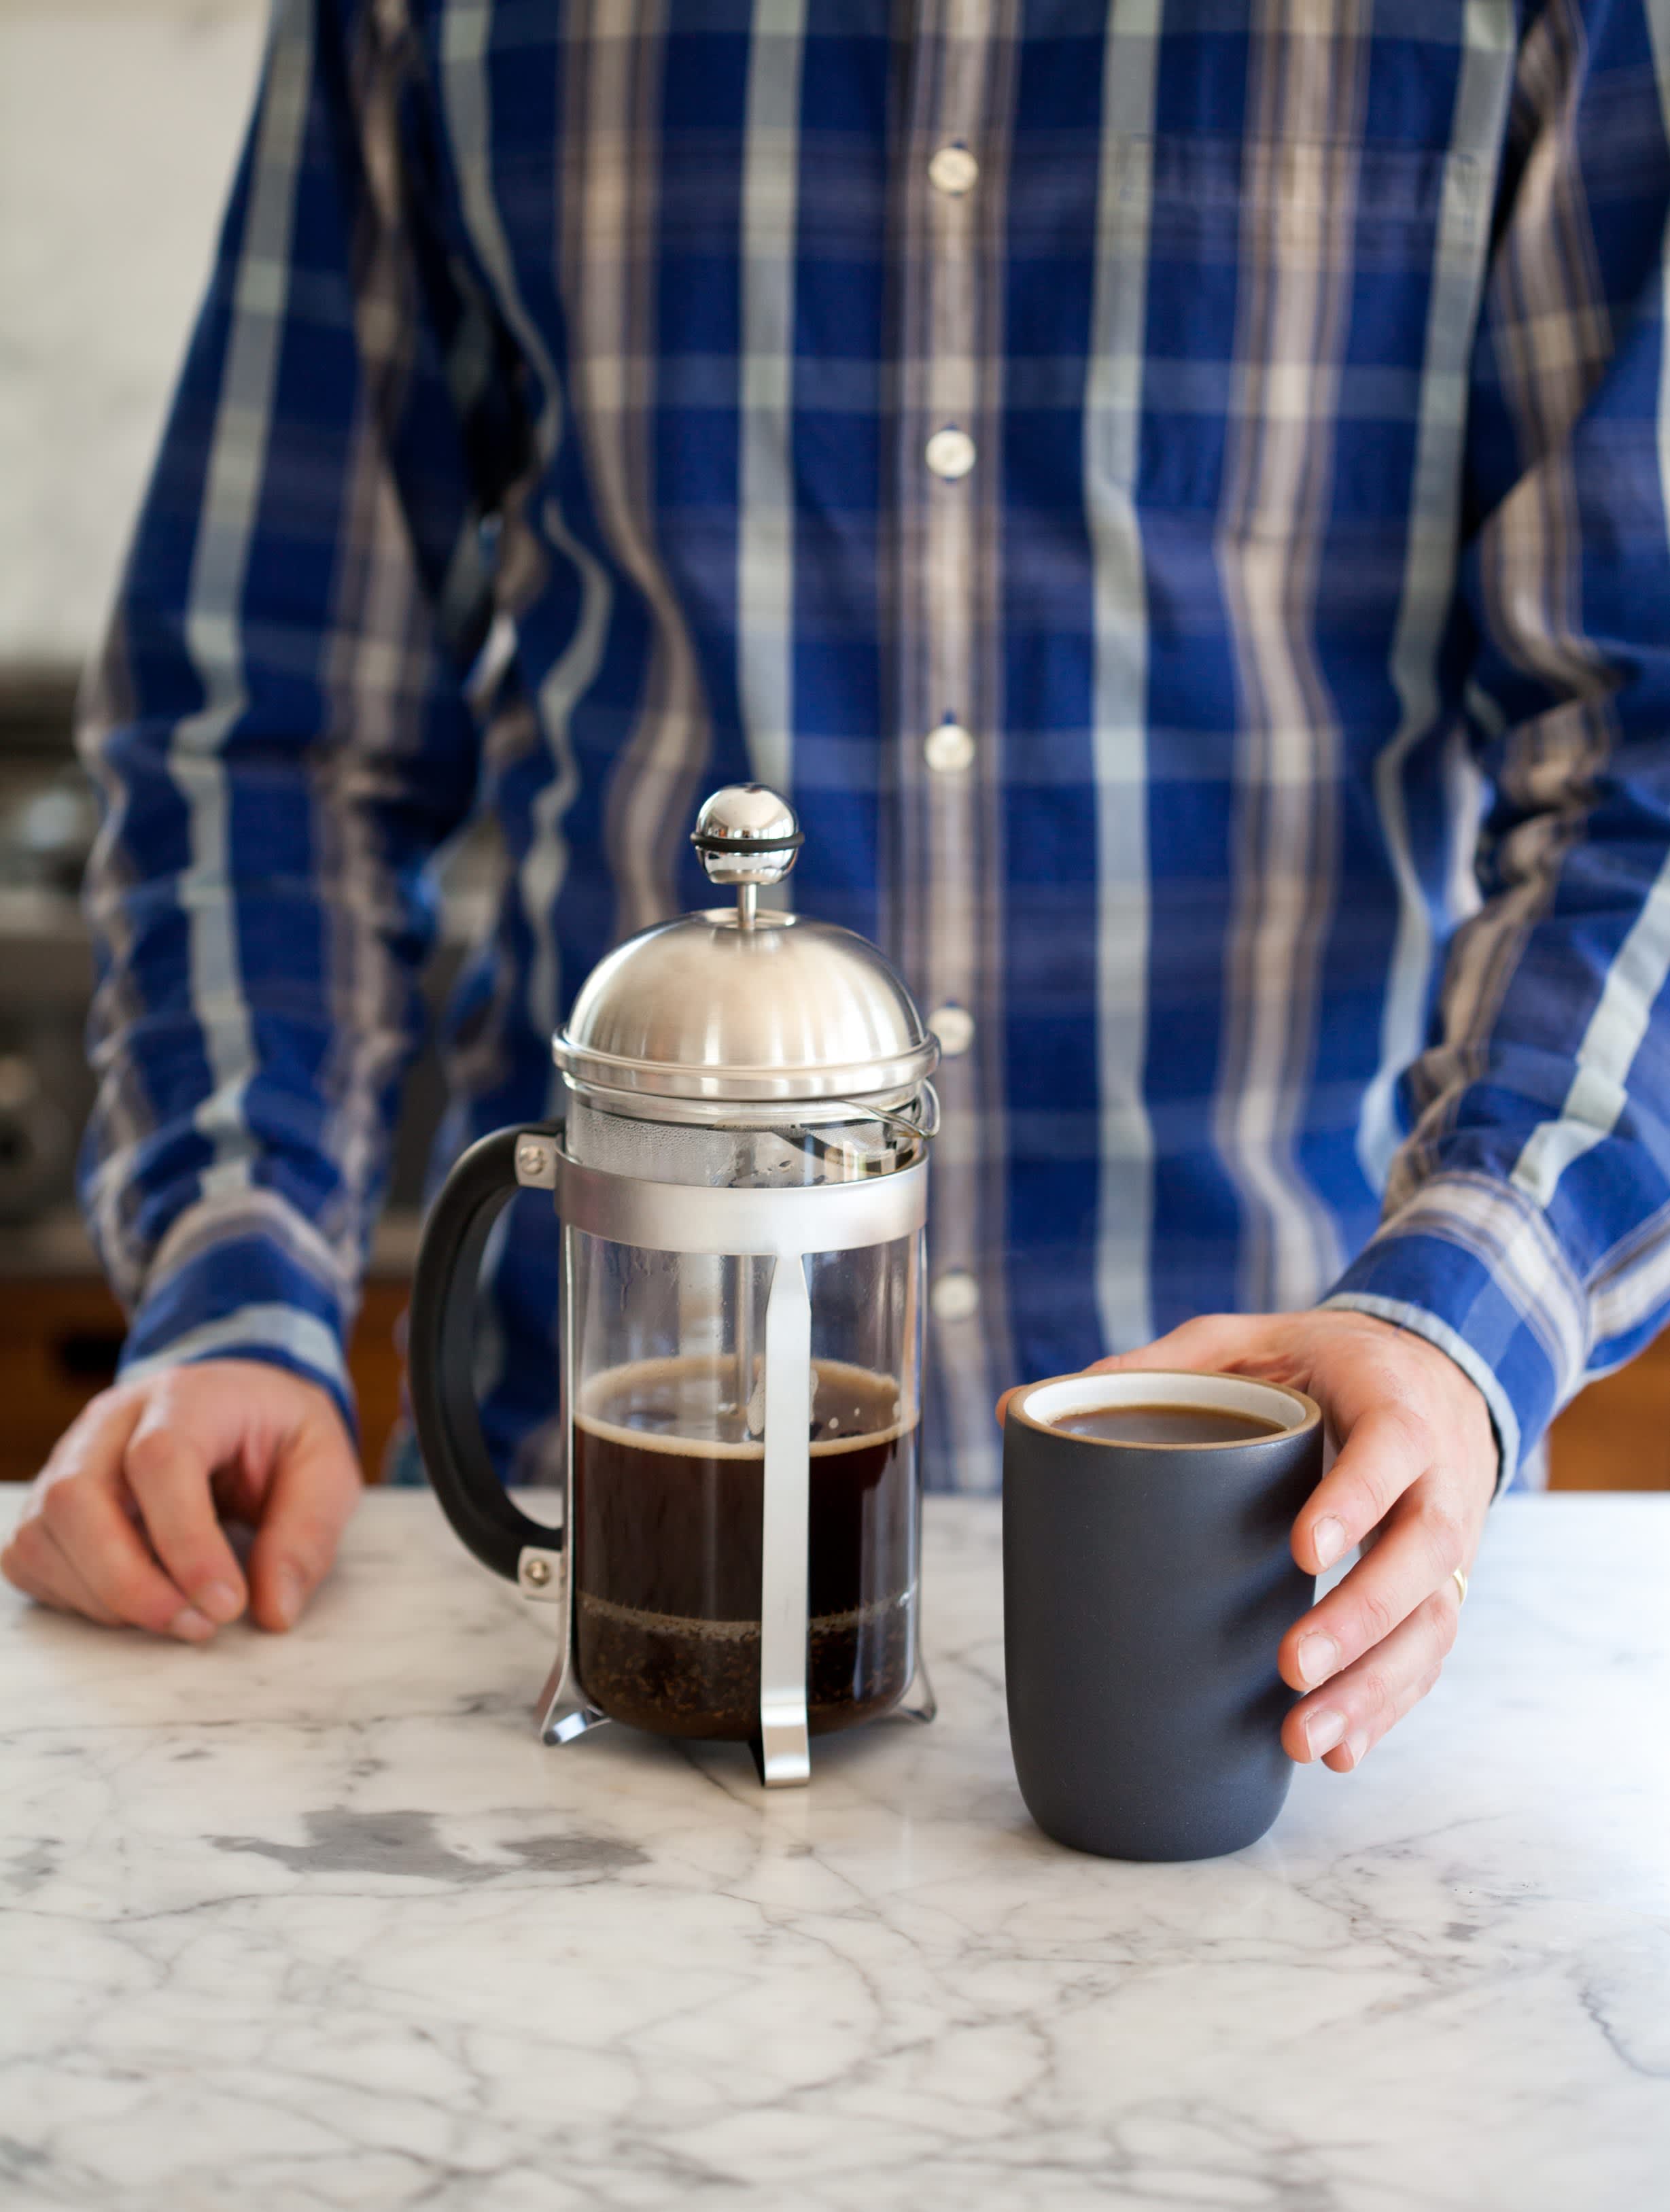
{"type": "Point", "coordinates": [315, 1922]}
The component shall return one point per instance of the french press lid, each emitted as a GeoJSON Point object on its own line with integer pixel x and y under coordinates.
{"type": "Point", "coordinates": [746, 1005]}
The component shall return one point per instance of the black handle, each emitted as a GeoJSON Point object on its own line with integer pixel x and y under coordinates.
{"type": "Point", "coordinates": [440, 1345]}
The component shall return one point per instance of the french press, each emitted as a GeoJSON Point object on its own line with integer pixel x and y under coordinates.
{"type": "Point", "coordinates": [740, 1178]}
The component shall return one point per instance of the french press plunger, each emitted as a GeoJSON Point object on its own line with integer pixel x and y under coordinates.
{"type": "Point", "coordinates": [740, 1175]}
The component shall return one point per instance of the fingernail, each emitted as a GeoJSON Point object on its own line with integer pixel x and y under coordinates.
{"type": "Point", "coordinates": [1357, 1746]}
{"type": "Point", "coordinates": [289, 1590]}
{"type": "Point", "coordinates": [1329, 1537]}
{"type": "Point", "coordinates": [221, 1601]}
{"type": "Point", "coordinates": [191, 1625]}
{"type": "Point", "coordinates": [1323, 1730]}
{"type": "Point", "coordinates": [1319, 1657]}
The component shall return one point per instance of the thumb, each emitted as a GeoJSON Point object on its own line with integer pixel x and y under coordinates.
{"type": "Point", "coordinates": [1208, 1342]}
{"type": "Point", "coordinates": [1211, 1341]}
{"type": "Point", "coordinates": [310, 1499]}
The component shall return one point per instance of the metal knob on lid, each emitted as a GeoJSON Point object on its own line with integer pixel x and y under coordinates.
{"type": "Point", "coordinates": [740, 1006]}
{"type": "Point", "coordinates": [747, 835]}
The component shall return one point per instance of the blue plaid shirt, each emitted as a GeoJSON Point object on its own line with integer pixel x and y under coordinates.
{"type": "Point", "coordinates": [1178, 498]}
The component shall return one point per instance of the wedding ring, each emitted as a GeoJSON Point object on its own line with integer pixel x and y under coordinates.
{"type": "Point", "coordinates": [1461, 1584]}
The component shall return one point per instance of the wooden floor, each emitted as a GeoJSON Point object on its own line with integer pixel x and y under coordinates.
{"type": "Point", "coordinates": [60, 1339]}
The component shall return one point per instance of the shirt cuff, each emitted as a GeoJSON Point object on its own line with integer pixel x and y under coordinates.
{"type": "Point", "coordinates": [244, 1296]}
{"type": "Point", "coordinates": [1472, 1265]}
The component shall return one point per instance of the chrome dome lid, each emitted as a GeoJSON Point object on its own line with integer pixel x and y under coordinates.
{"type": "Point", "coordinates": [743, 1006]}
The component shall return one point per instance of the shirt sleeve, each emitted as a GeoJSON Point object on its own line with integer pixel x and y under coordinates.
{"type": "Point", "coordinates": [278, 724]}
{"type": "Point", "coordinates": [1527, 1226]}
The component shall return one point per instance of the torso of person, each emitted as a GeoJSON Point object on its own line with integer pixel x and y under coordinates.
{"type": "Point", "coordinates": [1037, 439]}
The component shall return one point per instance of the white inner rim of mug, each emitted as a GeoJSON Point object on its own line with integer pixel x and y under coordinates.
{"type": "Point", "coordinates": [1224, 1393]}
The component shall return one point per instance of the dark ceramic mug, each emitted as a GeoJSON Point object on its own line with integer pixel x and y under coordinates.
{"type": "Point", "coordinates": [1147, 1588]}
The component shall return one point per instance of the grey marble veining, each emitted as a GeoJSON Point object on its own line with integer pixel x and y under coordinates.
{"type": "Point", "coordinates": [316, 1922]}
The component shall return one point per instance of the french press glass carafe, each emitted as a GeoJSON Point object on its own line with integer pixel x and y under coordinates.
{"type": "Point", "coordinates": [740, 1177]}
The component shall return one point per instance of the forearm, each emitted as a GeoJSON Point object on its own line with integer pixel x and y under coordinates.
{"type": "Point", "coordinates": [237, 1151]}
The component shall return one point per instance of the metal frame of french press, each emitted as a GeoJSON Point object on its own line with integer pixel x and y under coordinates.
{"type": "Point", "coordinates": [786, 1227]}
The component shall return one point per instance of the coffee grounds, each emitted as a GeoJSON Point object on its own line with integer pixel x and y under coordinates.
{"type": "Point", "coordinates": [701, 1678]}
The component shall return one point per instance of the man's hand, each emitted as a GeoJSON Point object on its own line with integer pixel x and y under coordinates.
{"type": "Point", "coordinates": [122, 1523]}
{"type": "Point", "coordinates": [1415, 1475]}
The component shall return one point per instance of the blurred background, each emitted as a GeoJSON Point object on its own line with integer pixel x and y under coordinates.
{"type": "Point", "coordinates": [119, 121]}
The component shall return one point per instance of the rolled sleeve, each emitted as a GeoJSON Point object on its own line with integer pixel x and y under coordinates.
{"type": "Point", "coordinates": [252, 1283]}
{"type": "Point", "coordinates": [1472, 1265]}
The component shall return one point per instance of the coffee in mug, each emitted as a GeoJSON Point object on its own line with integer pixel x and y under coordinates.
{"type": "Point", "coordinates": [1161, 1424]}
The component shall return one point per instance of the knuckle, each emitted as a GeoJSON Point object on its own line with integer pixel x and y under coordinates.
{"type": "Point", "coordinates": [97, 1410]}
{"type": "Point", "coordinates": [1372, 1699]}
{"type": "Point", "coordinates": [60, 1506]}
{"type": "Point", "coordinates": [27, 1548]}
{"type": "Point", "coordinates": [149, 1455]}
{"type": "Point", "coordinates": [1374, 1619]}
{"type": "Point", "coordinates": [1409, 1425]}
{"type": "Point", "coordinates": [1442, 1525]}
{"type": "Point", "coordinates": [90, 1417]}
{"type": "Point", "coordinates": [1378, 1479]}
{"type": "Point", "coordinates": [1385, 1705]}
{"type": "Point", "coordinates": [1355, 1500]}
{"type": "Point", "coordinates": [173, 1392]}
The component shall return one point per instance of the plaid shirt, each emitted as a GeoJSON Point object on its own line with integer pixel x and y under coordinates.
{"type": "Point", "coordinates": [1175, 490]}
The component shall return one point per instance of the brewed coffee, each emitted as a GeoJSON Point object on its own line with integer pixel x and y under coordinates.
{"type": "Point", "coordinates": [1166, 1425]}
{"type": "Point", "coordinates": [667, 1548]}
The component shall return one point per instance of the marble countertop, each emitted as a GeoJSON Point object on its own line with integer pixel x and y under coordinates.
{"type": "Point", "coordinates": [316, 1922]}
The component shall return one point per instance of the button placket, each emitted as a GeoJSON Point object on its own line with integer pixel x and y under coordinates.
{"type": "Point", "coordinates": [959, 102]}
{"type": "Point", "coordinates": [952, 743]}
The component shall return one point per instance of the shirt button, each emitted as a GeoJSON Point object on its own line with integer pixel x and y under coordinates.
{"type": "Point", "coordinates": [953, 169]}
{"type": "Point", "coordinates": [955, 1295]}
{"type": "Point", "coordinates": [954, 1026]}
{"type": "Point", "coordinates": [950, 454]}
{"type": "Point", "coordinates": [949, 750]}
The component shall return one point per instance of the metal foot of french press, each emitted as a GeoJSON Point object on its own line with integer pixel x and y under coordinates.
{"type": "Point", "coordinates": [919, 1702]}
{"type": "Point", "coordinates": [565, 1711]}
{"type": "Point", "coordinates": [783, 1761]}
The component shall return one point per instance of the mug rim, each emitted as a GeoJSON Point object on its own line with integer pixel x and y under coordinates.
{"type": "Point", "coordinates": [1087, 1391]}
